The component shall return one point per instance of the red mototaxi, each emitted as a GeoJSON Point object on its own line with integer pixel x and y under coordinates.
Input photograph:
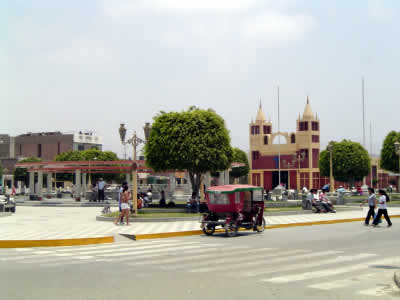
{"type": "Point", "coordinates": [233, 207]}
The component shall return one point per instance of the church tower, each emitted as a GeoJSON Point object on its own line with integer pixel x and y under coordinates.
{"type": "Point", "coordinates": [308, 143]}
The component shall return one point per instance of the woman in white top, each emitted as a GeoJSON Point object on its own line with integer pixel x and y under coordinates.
{"type": "Point", "coordinates": [382, 208]}
{"type": "Point", "coordinates": [372, 205]}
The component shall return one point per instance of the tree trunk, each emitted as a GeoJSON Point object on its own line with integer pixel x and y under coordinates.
{"type": "Point", "coordinates": [195, 179]}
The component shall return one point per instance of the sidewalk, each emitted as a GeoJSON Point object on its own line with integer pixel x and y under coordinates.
{"type": "Point", "coordinates": [55, 223]}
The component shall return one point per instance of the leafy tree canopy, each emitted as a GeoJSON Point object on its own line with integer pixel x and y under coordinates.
{"type": "Point", "coordinates": [195, 140]}
{"type": "Point", "coordinates": [389, 158]}
{"type": "Point", "coordinates": [241, 157]}
{"type": "Point", "coordinates": [89, 155]}
{"type": "Point", "coordinates": [22, 174]}
{"type": "Point", "coordinates": [350, 161]}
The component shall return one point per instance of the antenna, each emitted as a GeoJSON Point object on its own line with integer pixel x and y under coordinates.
{"type": "Point", "coordinates": [363, 109]}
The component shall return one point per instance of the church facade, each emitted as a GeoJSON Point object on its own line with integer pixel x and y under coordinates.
{"type": "Point", "coordinates": [299, 155]}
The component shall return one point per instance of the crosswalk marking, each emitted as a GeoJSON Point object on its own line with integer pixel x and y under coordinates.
{"type": "Point", "coordinates": [240, 250]}
{"type": "Point", "coordinates": [319, 262]}
{"type": "Point", "coordinates": [340, 283]}
{"type": "Point", "coordinates": [325, 273]}
{"type": "Point", "coordinates": [291, 255]}
{"type": "Point", "coordinates": [153, 251]}
{"type": "Point", "coordinates": [233, 261]}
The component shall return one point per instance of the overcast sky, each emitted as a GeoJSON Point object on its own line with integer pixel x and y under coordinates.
{"type": "Point", "coordinates": [90, 65]}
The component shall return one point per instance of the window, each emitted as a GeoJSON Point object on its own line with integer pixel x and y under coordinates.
{"type": "Point", "coordinates": [257, 195]}
{"type": "Point", "coordinates": [237, 197]}
{"type": "Point", "coordinates": [293, 139]}
{"type": "Point", "coordinates": [315, 138]}
{"type": "Point", "coordinates": [39, 150]}
{"type": "Point", "coordinates": [81, 147]}
{"type": "Point", "coordinates": [267, 129]}
{"type": "Point", "coordinates": [58, 148]}
{"type": "Point", "coordinates": [256, 155]}
{"type": "Point", "coordinates": [303, 126]}
{"type": "Point", "coordinates": [266, 140]}
{"type": "Point", "coordinates": [219, 198]}
{"type": "Point", "coordinates": [315, 126]}
{"type": "Point", "coordinates": [255, 130]}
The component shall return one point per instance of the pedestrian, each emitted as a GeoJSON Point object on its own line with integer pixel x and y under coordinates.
{"type": "Point", "coordinates": [372, 205]}
{"type": "Point", "coordinates": [124, 206]}
{"type": "Point", "coordinates": [162, 200]}
{"type": "Point", "coordinates": [100, 189]}
{"type": "Point", "coordinates": [121, 190]}
{"type": "Point", "coordinates": [383, 199]}
{"type": "Point", "coordinates": [94, 193]}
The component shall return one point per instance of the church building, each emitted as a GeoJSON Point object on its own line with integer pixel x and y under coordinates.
{"type": "Point", "coordinates": [298, 151]}
{"type": "Point", "coordinates": [299, 155]}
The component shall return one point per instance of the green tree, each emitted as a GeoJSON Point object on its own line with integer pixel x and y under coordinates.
{"type": "Point", "coordinates": [195, 140]}
{"type": "Point", "coordinates": [89, 155]}
{"type": "Point", "coordinates": [241, 157]}
{"type": "Point", "coordinates": [389, 158]}
{"type": "Point", "coordinates": [350, 162]}
{"type": "Point", "coordinates": [21, 174]}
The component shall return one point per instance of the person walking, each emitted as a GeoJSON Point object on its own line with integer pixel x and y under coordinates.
{"type": "Point", "coordinates": [121, 190]}
{"type": "Point", "coordinates": [383, 199]}
{"type": "Point", "coordinates": [372, 205]}
{"type": "Point", "coordinates": [100, 189]}
{"type": "Point", "coordinates": [124, 205]}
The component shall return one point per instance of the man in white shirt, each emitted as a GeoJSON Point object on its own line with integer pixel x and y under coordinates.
{"type": "Point", "coordinates": [100, 187]}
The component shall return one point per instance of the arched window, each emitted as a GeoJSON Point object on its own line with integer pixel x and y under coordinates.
{"type": "Point", "coordinates": [293, 139]}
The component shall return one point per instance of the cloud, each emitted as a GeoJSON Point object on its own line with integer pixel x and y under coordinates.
{"type": "Point", "coordinates": [82, 52]}
{"type": "Point", "coordinates": [378, 11]}
{"type": "Point", "coordinates": [277, 26]}
{"type": "Point", "coordinates": [126, 8]}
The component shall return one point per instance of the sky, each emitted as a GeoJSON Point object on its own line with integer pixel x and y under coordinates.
{"type": "Point", "coordinates": [91, 65]}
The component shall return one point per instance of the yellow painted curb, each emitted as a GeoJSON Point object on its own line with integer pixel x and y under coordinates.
{"type": "Point", "coordinates": [162, 235]}
{"type": "Point", "coordinates": [55, 243]}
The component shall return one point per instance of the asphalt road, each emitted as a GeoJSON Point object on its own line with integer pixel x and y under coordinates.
{"type": "Point", "coordinates": [342, 261]}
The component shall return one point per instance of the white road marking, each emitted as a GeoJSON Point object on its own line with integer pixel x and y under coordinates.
{"type": "Point", "coordinates": [265, 258]}
{"type": "Point", "coordinates": [325, 273]}
{"type": "Point", "coordinates": [341, 283]}
{"type": "Point", "coordinates": [317, 263]}
{"type": "Point", "coordinates": [229, 261]}
{"type": "Point", "coordinates": [201, 256]}
{"type": "Point", "coordinates": [151, 251]}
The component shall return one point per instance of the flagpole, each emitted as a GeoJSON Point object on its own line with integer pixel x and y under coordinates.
{"type": "Point", "coordinates": [279, 140]}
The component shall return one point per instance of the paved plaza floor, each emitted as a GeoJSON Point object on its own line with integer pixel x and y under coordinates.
{"type": "Point", "coordinates": [41, 223]}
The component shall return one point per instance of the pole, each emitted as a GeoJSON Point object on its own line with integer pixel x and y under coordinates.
{"type": "Point", "coordinates": [331, 183]}
{"type": "Point", "coordinates": [363, 112]}
{"type": "Point", "coordinates": [298, 171]}
{"type": "Point", "coordinates": [134, 175]}
{"type": "Point", "coordinates": [279, 141]}
{"type": "Point", "coordinates": [370, 149]}
{"type": "Point", "coordinates": [363, 108]}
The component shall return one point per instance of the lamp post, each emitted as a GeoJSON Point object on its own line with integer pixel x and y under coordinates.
{"type": "Point", "coordinates": [331, 182]}
{"type": "Point", "coordinates": [90, 174]}
{"type": "Point", "coordinates": [134, 141]}
{"type": "Point", "coordinates": [397, 149]}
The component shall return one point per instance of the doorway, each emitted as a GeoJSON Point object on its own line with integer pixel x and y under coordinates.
{"type": "Point", "coordinates": [284, 178]}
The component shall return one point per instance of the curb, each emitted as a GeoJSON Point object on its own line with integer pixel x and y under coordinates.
{"type": "Point", "coordinates": [162, 235]}
{"type": "Point", "coordinates": [55, 243]}
{"type": "Point", "coordinates": [396, 278]}
{"type": "Point", "coordinates": [139, 220]}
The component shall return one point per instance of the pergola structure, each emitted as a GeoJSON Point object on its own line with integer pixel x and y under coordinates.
{"type": "Point", "coordinates": [82, 168]}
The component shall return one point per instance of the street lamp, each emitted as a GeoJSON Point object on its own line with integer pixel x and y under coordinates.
{"type": "Point", "coordinates": [331, 182]}
{"type": "Point", "coordinates": [134, 141]}
{"type": "Point", "coordinates": [397, 149]}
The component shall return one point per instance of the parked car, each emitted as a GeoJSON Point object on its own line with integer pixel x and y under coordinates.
{"type": "Point", "coordinates": [7, 203]}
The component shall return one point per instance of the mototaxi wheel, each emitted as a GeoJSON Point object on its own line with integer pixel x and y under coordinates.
{"type": "Point", "coordinates": [209, 229]}
{"type": "Point", "coordinates": [261, 227]}
{"type": "Point", "coordinates": [231, 230]}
